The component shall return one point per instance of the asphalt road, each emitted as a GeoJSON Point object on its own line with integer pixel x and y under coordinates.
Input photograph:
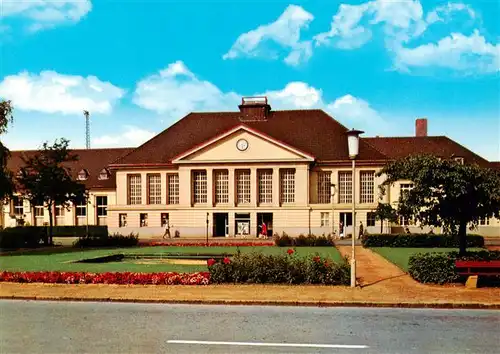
{"type": "Point", "coordinates": [84, 327]}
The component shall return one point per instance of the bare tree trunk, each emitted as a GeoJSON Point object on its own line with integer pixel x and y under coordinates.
{"type": "Point", "coordinates": [48, 240]}
{"type": "Point", "coordinates": [381, 226]}
{"type": "Point", "coordinates": [462, 238]}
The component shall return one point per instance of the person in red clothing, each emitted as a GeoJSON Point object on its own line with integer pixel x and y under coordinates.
{"type": "Point", "coordinates": [263, 231]}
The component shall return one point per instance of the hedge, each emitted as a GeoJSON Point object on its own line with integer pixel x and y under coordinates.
{"type": "Point", "coordinates": [78, 231]}
{"type": "Point", "coordinates": [303, 241]}
{"type": "Point", "coordinates": [276, 269]}
{"type": "Point", "coordinates": [439, 267]}
{"type": "Point", "coordinates": [21, 237]}
{"type": "Point", "coordinates": [115, 240]}
{"type": "Point", "coordinates": [418, 240]}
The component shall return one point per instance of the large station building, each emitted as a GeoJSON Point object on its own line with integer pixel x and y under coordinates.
{"type": "Point", "coordinates": [227, 173]}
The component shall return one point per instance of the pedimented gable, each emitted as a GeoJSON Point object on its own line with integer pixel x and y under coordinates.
{"type": "Point", "coordinates": [242, 145]}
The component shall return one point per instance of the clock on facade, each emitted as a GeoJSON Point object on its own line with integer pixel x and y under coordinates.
{"type": "Point", "coordinates": [242, 144]}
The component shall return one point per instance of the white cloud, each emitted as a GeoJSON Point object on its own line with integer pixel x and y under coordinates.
{"type": "Point", "coordinates": [285, 31]}
{"type": "Point", "coordinates": [404, 21]}
{"type": "Point", "coordinates": [176, 91]}
{"type": "Point", "coordinates": [42, 14]}
{"type": "Point", "coordinates": [131, 136]}
{"type": "Point", "coordinates": [50, 92]}
{"type": "Point", "coordinates": [457, 51]}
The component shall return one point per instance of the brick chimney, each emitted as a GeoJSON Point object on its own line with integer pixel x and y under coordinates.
{"type": "Point", "coordinates": [421, 127]}
{"type": "Point", "coordinates": [254, 109]}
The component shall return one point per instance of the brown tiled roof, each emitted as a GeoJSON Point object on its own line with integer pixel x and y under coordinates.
{"type": "Point", "coordinates": [440, 146]}
{"type": "Point", "coordinates": [311, 131]}
{"type": "Point", "coordinates": [92, 160]}
{"type": "Point", "coordinates": [495, 165]}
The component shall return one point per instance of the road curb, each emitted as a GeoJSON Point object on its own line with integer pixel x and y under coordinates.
{"type": "Point", "coordinates": [471, 306]}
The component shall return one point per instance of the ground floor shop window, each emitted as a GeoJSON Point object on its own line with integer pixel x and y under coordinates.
{"type": "Point", "coordinates": [122, 220]}
{"type": "Point", "coordinates": [144, 220]}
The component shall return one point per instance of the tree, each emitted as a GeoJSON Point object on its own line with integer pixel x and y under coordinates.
{"type": "Point", "coordinates": [6, 116]}
{"type": "Point", "coordinates": [446, 193]}
{"type": "Point", "coordinates": [383, 212]}
{"type": "Point", "coordinates": [46, 179]}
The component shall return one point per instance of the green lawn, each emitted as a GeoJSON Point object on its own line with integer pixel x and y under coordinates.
{"type": "Point", "coordinates": [62, 259]}
{"type": "Point", "coordinates": [401, 255]}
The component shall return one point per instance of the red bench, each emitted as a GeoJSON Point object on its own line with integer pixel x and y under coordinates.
{"type": "Point", "coordinates": [474, 269]}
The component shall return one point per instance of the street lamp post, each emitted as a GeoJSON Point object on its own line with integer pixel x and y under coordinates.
{"type": "Point", "coordinates": [332, 188]}
{"type": "Point", "coordinates": [353, 145]}
{"type": "Point", "coordinates": [206, 232]}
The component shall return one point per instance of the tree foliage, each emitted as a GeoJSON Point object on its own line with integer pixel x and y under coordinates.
{"type": "Point", "coordinates": [6, 116]}
{"type": "Point", "coordinates": [46, 179]}
{"type": "Point", "coordinates": [385, 211]}
{"type": "Point", "coordinates": [446, 193]}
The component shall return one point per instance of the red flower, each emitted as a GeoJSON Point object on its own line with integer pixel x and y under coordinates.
{"type": "Point", "coordinates": [211, 244]}
{"type": "Point", "coordinates": [327, 264]}
{"type": "Point", "coordinates": [317, 259]}
{"type": "Point", "coordinates": [226, 260]}
{"type": "Point", "coordinates": [290, 251]}
{"type": "Point", "coordinates": [211, 262]}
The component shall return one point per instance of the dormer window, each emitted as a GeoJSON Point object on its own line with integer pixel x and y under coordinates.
{"type": "Point", "coordinates": [460, 160]}
{"type": "Point", "coordinates": [83, 175]}
{"type": "Point", "coordinates": [104, 174]}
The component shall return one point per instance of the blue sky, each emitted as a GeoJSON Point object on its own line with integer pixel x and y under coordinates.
{"type": "Point", "coordinates": [139, 66]}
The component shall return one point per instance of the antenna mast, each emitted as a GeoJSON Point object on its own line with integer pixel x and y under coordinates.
{"type": "Point", "coordinates": [87, 128]}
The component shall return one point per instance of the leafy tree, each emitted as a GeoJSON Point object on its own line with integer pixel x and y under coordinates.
{"type": "Point", "coordinates": [446, 193]}
{"type": "Point", "coordinates": [46, 179]}
{"type": "Point", "coordinates": [6, 116]}
{"type": "Point", "coordinates": [383, 212]}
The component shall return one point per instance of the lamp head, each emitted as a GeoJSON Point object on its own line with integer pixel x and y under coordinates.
{"type": "Point", "coordinates": [353, 142]}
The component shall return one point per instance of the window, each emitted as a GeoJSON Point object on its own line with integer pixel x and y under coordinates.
{"type": "Point", "coordinates": [104, 174]}
{"type": "Point", "coordinates": [83, 175]}
{"type": "Point", "coordinates": [402, 221]}
{"type": "Point", "coordinates": [243, 186]}
{"type": "Point", "coordinates": [134, 189]}
{"type": "Point", "coordinates": [143, 219]}
{"type": "Point", "coordinates": [39, 210]}
{"type": "Point", "coordinates": [173, 189]}
{"type": "Point", "coordinates": [367, 179]}
{"type": "Point", "coordinates": [405, 188]}
{"type": "Point", "coordinates": [287, 186]}
{"type": "Point", "coordinates": [122, 220]}
{"type": "Point", "coordinates": [460, 160]}
{"type": "Point", "coordinates": [154, 189]}
{"type": "Point", "coordinates": [200, 187]}
{"type": "Point", "coordinates": [265, 186]}
{"type": "Point", "coordinates": [370, 219]}
{"type": "Point", "coordinates": [18, 205]}
{"type": "Point", "coordinates": [325, 219]}
{"type": "Point", "coordinates": [59, 215]}
{"type": "Point", "coordinates": [324, 187]}
{"type": "Point", "coordinates": [102, 205]}
{"type": "Point", "coordinates": [164, 219]}
{"type": "Point", "coordinates": [221, 187]}
{"type": "Point", "coordinates": [81, 209]}
{"type": "Point", "coordinates": [345, 187]}
{"type": "Point", "coordinates": [484, 221]}
{"type": "Point", "coordinates": [102, 209]}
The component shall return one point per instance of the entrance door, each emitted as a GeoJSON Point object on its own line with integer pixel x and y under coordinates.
{"type": "Point", "coordinates": [265, 218]}
{"type": "Point", "coordinates": [345, 221]}
{"type": "Point", "coordinates": [220, 224]}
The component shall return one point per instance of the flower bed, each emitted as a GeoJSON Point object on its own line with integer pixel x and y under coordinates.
{"type": "Point", "coordinates": [278, 269]}
{"type": "Point", "coordinates": [210, 244]}
{"type": "Point", "coordinates": [169, 278]}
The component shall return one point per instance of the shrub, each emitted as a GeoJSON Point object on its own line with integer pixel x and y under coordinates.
{"type": "Point", "coordinates": [418, 240]}
{"type": "Point", "coordinates": [439, 267]}
{"type": "Point", "coordinates": [278, 269]}
{"type": "Point", "coordinates": [115, 240]}
{"type": "Point", "coordinates": [21, 237]}
{"type": "Point", "coordinates": [79, 231]}
{"type": "Point", "coordinates": [303, 241]}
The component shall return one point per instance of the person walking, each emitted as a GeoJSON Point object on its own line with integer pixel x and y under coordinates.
{"type": "Point", "coordinates": [361, 230]}
{"type": "Point", "coordinates": [167, 229]}
{"type": "Point", "coordinates": [263, 231]}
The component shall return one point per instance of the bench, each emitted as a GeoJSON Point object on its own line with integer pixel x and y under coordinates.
{"type": "Point", "coordinates": [474, 269]}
